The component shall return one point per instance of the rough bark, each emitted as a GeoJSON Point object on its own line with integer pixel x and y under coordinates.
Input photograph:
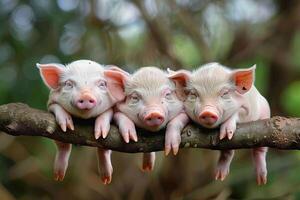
{"type": "Point", "coordinates": [278, 132]}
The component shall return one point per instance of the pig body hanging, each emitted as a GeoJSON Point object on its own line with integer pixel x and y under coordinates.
{"type": "Point", "coordinates": [216, 96]}
{"type": "Point", "coordinates": [80, 89]}
{"type": "Point", "coordinates": [151, 103]}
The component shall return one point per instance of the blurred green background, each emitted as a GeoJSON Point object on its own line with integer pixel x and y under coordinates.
{"type": "Point", "coordinates": [131, 34]}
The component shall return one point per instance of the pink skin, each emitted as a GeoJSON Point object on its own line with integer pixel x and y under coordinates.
{"type": "Point", "coordinates": [61, 160]}
{"type": "Point", "coordinates": [104, 165]}
{"type": "Point", "coordinates": [82, 90]}
{"type": "Point", "coordinates": [150, 104]}
{"type": "Point", "coordinates": [148, 161]}
{"type": "Point", "coordinates": [216, 96]}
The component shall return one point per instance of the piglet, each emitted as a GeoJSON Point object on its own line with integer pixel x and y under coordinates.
{"type": "Point", "coordinates": [151, 103]}
{"type": "Point", "coordinates": [217, 96]}
{"type": "Point", "coordinates": [82, 90]}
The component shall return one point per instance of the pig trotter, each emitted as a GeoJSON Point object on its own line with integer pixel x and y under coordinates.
{"type": "Point", "coordinates": [227, 129]}
{"type": "Point", "coordinates": [173, 140]}
{"type": "Point", "coordinates": [224, 164]}
{"type": "Point", "coordinates": [63, 118]}
{"type": "Point", "coordinates": [61, 160]}
{"type": "Point", "coordinates": [259, 158]}
{"type": "Point", "coordinates": [102, 124]}
{"type": "Point", "coordinates": [148, 161]}
{"type": "Point", "coordinates": [173, 133]}
{"type": "Point", "coordinates": [126, 127]}
{"type": "Point", "coordinates": [104, 165]}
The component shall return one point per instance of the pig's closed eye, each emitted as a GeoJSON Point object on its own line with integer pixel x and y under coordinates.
{"type": "Point", "coordinates": [225, 93]}
{"type": "Point", "coordinates": [69, 84]}
{"type": "Point", "coordinates": [134, 98]}
{"type": "Point", "coordinates": [192, 95]}
{"type": "Point", "coordinates": [168, 95]}
{"type": "Point", "coordinates": [102, 84]}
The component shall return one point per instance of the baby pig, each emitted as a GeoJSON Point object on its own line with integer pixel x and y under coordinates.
{"type": "Point", "coordinates": [151, 103]}
{"type": "Point", "coordinates": [218, 96]}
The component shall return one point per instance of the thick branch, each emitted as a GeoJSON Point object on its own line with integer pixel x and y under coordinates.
{"type": "Point", "coordinates": [278, 132]}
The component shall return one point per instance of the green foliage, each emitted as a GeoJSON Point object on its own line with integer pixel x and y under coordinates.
{"type": "Point", "coordinates": [186, 51]}
{"type": "Point", "coordinates": [291, 98]}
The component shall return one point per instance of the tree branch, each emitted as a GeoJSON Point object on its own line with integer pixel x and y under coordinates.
{"type": "Point", "coordinates": [278, 132]}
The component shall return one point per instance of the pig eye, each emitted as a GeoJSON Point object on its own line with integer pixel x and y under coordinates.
{"type": "Point", "coordinates": [225, 93]}
{"type": "Point", "coordinates": [192, 95]}
{"type": "Point", "coordinates": [101, 84]}
{"type": "Point", "coordinates": [134, 98]}
{"type": "Point", "coordinates": [69, 84]}
{"type": "Point", "coordinates": [168, 95]}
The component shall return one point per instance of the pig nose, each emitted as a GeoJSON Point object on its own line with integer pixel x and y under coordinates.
{"type": "Point", "coordinates": [154, 119]}
{"type": "Point", "coordinates": [208, 118]}
{"type": "Point", "coordinates": [86, 102]}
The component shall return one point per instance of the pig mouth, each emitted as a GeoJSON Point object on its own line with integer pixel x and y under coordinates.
{"type": "Point", "coordinates": [81, 110]}
{"type": "Point", "coordinates": [209, 125]}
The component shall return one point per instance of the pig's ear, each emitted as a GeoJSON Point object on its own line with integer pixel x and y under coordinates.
{"type": "Point", "coordinates": [180, 78]}
{"type": "Point", "coordinates": [115, 83]}
{"type": "Point", "coordinates": [244, 79]}
{"type": "Point", "coordinates": [50, 74]}
{"type": "Point", "coordinates": [115, 68]}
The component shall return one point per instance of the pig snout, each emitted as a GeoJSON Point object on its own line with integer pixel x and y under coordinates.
{"type": "Point", "coordinates": [154, 119]}
{"type": "Point", "coordinates": [208, 117]}
{"type": "Point", "coordinates": [86, 101]}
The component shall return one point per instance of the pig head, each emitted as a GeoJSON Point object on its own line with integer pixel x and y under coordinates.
{"type": "Point", "coordinates": [151, 101]}
{"type": "Point", "coordinates": [213, 93]}
{"type": "Point", "coordinates": [80, 87]}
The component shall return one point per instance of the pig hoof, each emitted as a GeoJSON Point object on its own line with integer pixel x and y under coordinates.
{"type": "Point", "coordinates": [221, 174]}
{"type": "Point", "coordinates": [167, 150]}
{"type": "Point", "coordinates": [101, 128]}
{"type": "Point", "coordinates": [147, 167]}
{"type": "Point", "coordinates": [175, 150]}
{"type": "Point", "coordinates": [229, 134]}
{"type": "Point", "coordinates": [106, 179]}
{"type": "Point", "coordinates": [261, 179]}
{"type": "Point", "coordinates": [59, 176]}
{"type": "Point", "coordinates": [63, 127]}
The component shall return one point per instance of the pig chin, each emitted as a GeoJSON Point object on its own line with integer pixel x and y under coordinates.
{"type": "Point", "coordinates": [152, 128]}
{"type": "Point", "coordinates": [206, 125]}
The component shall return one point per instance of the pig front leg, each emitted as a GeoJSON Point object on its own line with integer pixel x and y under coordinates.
{"type": "Point", "coordinates": [102, 124]}
{"type": "Point", "coordinates": [223, 165]}
{"type": "Point", "coordinates": [173, 133]}
{"type": "Point", "coordinates": [104, 165]}
{"type": "Point", "coordinates": [148, 161]}
{"type": "Point", "coordinates": [126, 127]}
{"type": "Point", "coordinates": [61, 160]}
{"type": "Point", "coordinates": [228, 128]}
{"type": "Point", "coordinates": [63, 118]}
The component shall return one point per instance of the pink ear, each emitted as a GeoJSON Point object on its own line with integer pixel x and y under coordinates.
{"type": "Point", "coordinates": [115, 83]}
{"type": "Point", "coordinates": [180, 79]}
{"type": "Point", "coordinates": [115, 68]}
{"type": "Point", "coordinates": [243, 79]}
{"type": "Point", "coordinates": [50, 74]}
